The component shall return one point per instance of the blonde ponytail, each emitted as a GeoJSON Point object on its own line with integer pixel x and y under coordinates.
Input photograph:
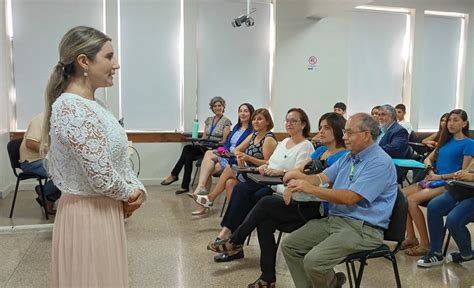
{"type": "Point", "coordinates": [79, 40]}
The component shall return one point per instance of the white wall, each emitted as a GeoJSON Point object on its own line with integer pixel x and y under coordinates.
{"type": "Point", "coordinates": [298, 38]}
{"type": "Point", "coordinates": [6, 175]}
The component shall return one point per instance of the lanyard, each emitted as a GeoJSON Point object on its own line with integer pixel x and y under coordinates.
{"type": "Point", "coordinates": [351, 172]}
{"type": "Point", "coordinates": [213, 126]}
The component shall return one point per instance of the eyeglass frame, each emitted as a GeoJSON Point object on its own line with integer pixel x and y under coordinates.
{"type": "Point", "coordinates": [291, 121]}
{"type": "Point", "coordinates": [349, 132]}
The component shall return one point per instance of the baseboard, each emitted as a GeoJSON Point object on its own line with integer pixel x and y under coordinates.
{"type": "Point", "coordinates": [4, 191]}
{"type": "Point", "coordinates": [152, 181]}
{"type": "Point", "coordinates": [26, 228]}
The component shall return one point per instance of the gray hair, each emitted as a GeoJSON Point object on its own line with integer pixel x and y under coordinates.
{"type": "Point", "coordinates": [368, 123]}
{"type": "Point", "coordinates": [390, 110]}
{"type": "Point", "coordinates": [216, 99]}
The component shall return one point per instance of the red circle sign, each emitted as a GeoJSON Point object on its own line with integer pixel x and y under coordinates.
{"type": "Point", "coordinates": [312, 60]}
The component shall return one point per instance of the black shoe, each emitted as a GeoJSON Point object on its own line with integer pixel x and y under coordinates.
{"type": "Point", "coordinates": [181, 191]}
{"type": "Point", "coordinates": [165, 183]}
{"type": "Point", "coordinates": [49, 204]}
{"type": "Point", "coordinates": [224, 257]}
{"type": "Point", "coordinates": [456, 257]}
{"type": "Point", "coordinates": [340, 279]}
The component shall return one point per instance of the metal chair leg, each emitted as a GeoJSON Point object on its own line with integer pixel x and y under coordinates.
{"type": "Point", "coordinates": [223, 207]}
{"type": "Point", "coordinates": [279, 238]}
{"type": "Point", "coordinates": [446, 246]}
{"type": "Point", "coordinates": [195, 175]}
{"type": "Point", "coordinates": [395, 270]}
{"type": "Point", "coordinates": [44, 199]}
{"type": "Point", "coordinates": [349, 274]}
{"type": "Point", "coordinates": [360, 274]}
{"type": "Point", "coordinates": [14, 197]}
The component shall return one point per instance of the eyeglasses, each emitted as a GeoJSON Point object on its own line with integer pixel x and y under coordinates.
{"type": "Point", "coordinates": [291, 121]}
{"type": "Point", "coordinates": [349, 132]}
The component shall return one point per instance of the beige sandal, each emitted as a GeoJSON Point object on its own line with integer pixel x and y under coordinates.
{"type": "Point", "coordinates": [417, 251]}
{"type": "Point", "coordinates": [409, 243]}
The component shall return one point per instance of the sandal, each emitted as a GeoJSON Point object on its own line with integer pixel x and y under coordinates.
{"type": "Point", "coordinates": [201, 191]}
{"type": "Point", "coordinates": [409, 243]}
{"type": "Point", "coordinates": [417, 251]}
{"type": "Point", "coordinates": [204, 201]}
{"type": "Point", "coordinates": [223, 246]}
{"type": "Point", "coordinates": [200, 212]}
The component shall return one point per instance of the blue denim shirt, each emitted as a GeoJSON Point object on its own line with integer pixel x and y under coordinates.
{"type": "Point", "coordinates": [372, 175]}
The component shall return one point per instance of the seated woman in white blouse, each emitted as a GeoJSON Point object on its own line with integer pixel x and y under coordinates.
{"type": "Point", "coordinates": [289, 154]}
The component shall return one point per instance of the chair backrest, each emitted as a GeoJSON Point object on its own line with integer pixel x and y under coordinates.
{"type": "Point", "coordinates": [412, 137]}
{"type": "Point", "coordinates": [397, 226]}
{"type": "Point", "coordinates": [13, 148]}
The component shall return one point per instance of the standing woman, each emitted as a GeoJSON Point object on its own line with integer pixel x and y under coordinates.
{"type": "Point", "coordinates": [87, 160]}
{"type": "Point", "coordinates": [217, 128]}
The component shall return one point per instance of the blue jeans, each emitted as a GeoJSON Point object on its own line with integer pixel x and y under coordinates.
{"type": "Point", "coordinates": [459, 214]}
{"type": "Point", "coordinates": [51, 192]}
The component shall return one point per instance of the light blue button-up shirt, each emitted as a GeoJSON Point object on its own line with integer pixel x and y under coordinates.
{"type": "Point", "coordinates": [372, 175]}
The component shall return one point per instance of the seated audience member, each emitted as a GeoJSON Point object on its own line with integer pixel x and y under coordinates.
{"type": "Point", "coordinates": [252, 152]}
{"type": "Point", "coordinates": [289, 154]}
{"type": "Point", "coordinates": [271, 212]}
{"type": "Point", "coordinates": [375, 113]}
{"type": "Point", "coordinates": [217, 127]}
{"type": "Point", "coordinates": [394, 138]}
{"type": "Point", "coordinates": [458, 206]}
{"type": "Point", "coordinates": [454, 152]}
{"type": "Point", "coordinates": [361, 200]}
{"type": "Point", "coordinates": [432, 140]}
{"type": "Point", "coordinates": [32, 162]}
{"type": "Point", "coordinates": [214, 164]}
{"type": "Point", "coordinates": [401, 112]}
{"type": "Point", "coordinates": [340, 108]}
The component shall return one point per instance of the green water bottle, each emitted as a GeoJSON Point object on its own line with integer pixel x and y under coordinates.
{"type": "Point", "coordinates": [195, 129]}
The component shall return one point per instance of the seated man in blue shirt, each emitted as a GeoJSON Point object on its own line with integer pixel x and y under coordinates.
{"type": "Point", "coordinates": [361, 200]}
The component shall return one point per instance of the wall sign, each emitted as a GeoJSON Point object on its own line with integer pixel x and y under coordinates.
{"type": "Point", "coordinates": [312, 62]}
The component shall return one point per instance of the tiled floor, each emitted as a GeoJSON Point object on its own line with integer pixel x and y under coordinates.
{"type": "Point", "coordinates": [167, 248]}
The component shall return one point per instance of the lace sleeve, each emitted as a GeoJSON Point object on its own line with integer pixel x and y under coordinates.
{"type": "Point", "coordinates": [133, 180]}
{"type": "Point", "coordinates": [79, 128]}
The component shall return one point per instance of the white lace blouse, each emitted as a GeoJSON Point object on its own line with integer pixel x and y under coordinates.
{"type": "Point", "coordinates": [88, 151]}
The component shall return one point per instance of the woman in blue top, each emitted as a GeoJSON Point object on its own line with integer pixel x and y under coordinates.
{"type": "Point", "coordinates": [271, 212]}
{"type": "Point", "coordinates": [211, 163]}
{"type": "Point", "coordinates": [458, 206]}
{"type": "Point", "coordinates": [453, 153]}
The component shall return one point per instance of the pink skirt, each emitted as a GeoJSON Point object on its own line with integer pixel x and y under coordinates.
{"type": "Point", "coordinates": [89, 243]}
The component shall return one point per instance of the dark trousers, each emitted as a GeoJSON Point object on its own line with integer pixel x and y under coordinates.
{"type": "Point", "coordinates": [268, 215]}
{"type": "Point", "coordinates": [244, 196]}
{"type": "Point", "coordinates": [189, 154]}
{"type": "Point", "coordinates": [51, 192]}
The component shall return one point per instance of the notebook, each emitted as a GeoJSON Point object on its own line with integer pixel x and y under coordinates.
{"type": "Point", "coordinates": [265, 180]}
